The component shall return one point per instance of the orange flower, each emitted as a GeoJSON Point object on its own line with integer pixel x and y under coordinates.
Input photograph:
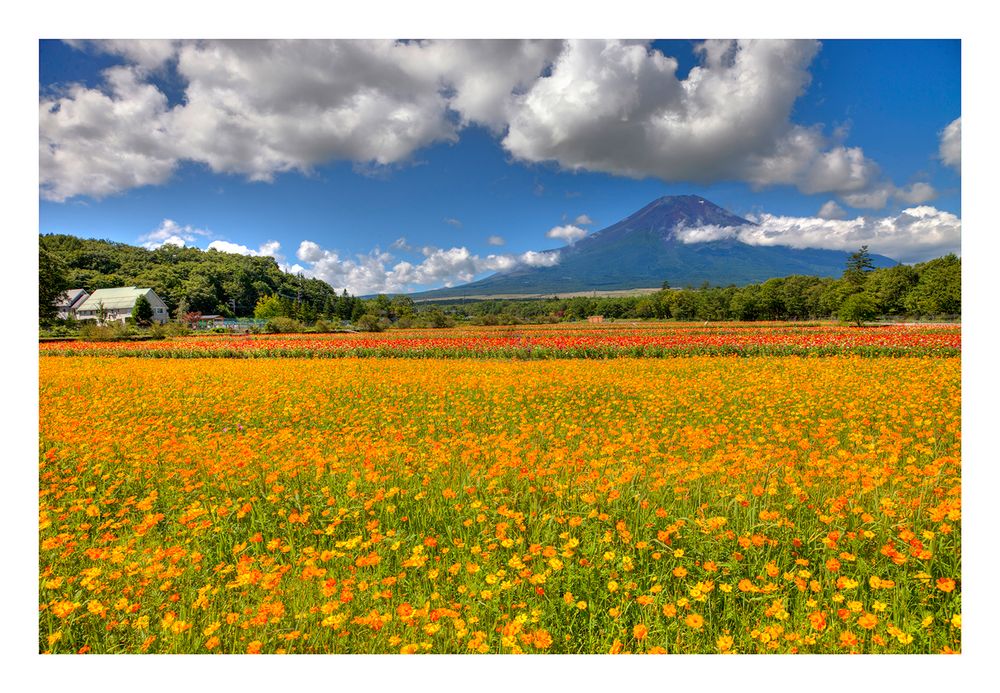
{"type": "Point", "coordinates": [694, 621]}
{"type": "Point", "coordinates": [867, 621]}
{"type": "Point", "coordinates": [945, 584]}
{"type": "Point", "coordinates": [640, 631]}
{"type": "Point", "coordinates": [541, 639]}
{"type": "Point", "coordinates": [254, 647]}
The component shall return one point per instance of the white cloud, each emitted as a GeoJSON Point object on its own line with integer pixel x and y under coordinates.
{"type": "Point", "coordinates": [916, 193]}
{"type": "Point", "coordinates": [258, 108]}
{"type": "Point", "coordinates": [619, 108]}
{"type": "Point", "coordinates": [568, 233]}
{"type": "Point", "coordinates": [149, 54]}
{"type": "Point", "coordinates": [913, 235]}
{"type": "Point", "coordinates": [951, 145]}
{"type": "Point", "coordinates": [583, 220]}
{"type": "Point", "coordinates": [831, 210]}
{"type": "Point", "coordinates": [98, 144]}
{"type": "Point", "coordinates": [495, 240]}
{"type": "Point", "coordinates": [878, 195]}
{"type": "Point", "coordinates": [268, 249]}
{"type": "Point", "coordinates": [169, 232]}
{"type": "Point", "coordinates": [375, 273]}
{"type": "Point", "coordinates": [453, 222]}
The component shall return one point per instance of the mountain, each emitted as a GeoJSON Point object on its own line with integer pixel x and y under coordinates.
{"type": "Point", "coordinates": [643, 250]}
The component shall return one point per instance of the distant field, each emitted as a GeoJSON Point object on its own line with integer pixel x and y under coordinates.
{"type": "Point", "coordinates": [517, 297]}
{"type": "Point", "coordinates": [694, 505]}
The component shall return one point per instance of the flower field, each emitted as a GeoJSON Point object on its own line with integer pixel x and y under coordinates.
{"type": "Point", "coordinates": [702, 504]}
{"type": "Point", "coordinates": [609, 340]}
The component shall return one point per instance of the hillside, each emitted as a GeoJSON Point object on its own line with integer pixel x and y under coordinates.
{"type": "Point", "coordinates": [210, 281]}
{"type": "Point", "coordinates": [643, 250]}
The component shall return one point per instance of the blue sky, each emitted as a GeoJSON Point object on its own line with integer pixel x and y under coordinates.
{"type": "Point", "coordinates": [402, 167]}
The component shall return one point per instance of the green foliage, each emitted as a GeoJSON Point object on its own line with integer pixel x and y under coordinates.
{"type": "Point", "coordinates": [142, 311]}
{"type": "Point", "coordinates": [859, 264]}
{"type": "Point", "coordinates": [938, 290]}
{"type": "Point", "coordinates": [284, 325]}
{"type": "Point", "coordinates": [269, 307]}
{"type": "Point", "coordinates": [112, 331]}
{"type": "Point", "coordinates": [858, 308]}
{"type": "Point", "coordinates": [52, 281]}
{"type": "Point", "coordinates": [370, 323]}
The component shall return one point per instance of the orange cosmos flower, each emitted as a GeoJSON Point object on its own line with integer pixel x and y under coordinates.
{"type": "Point", "coordinates": [868, 621]}
{"type": "Point", "coordinates": [694, 621]}
{"type": "Point", "coordinates": [640, 631]}
{"type": "Point", "coordinates": [945, 584]}
{"type": "Point", "coordinates": [254, 647]}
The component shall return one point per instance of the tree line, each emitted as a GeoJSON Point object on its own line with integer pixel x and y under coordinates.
{"type": "Point", "coordinates": [931, 289]}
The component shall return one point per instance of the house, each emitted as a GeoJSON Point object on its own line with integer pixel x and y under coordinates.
{"type": "Point", "coordinates": [595, 318]}
{"type": "Point", "coordinates": [69, 301]}
{"type": "Point", "coordinates": [207, 321]}
{"type": "Point", "coordinates": [117, 304]}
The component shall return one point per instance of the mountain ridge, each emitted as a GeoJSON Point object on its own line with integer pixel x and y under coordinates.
{"type": "Point", "coordinates": [643, 250]}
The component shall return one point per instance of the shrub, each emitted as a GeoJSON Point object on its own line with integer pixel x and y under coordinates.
{"type": "Point", "coordinates": [283, 325]}
{"type": "Point", "coordinates": [370, 323]}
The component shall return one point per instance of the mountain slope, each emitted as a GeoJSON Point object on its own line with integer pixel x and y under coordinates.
{"type": "Point", "coordinates": [643, 250]}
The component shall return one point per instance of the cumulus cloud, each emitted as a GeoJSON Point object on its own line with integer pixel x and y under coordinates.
{"type": "Point", "coordinates": [169, 232]}
{"type": "Point", "coordinates": [950, 149]}
{"type": "Point", "coordinates": [878, 195]}
{"type": "Point", "coordinates": [260, 108]}
{"type": "Point", "coordinates": [375, 271]}
{"type": "Point", "coordinates": [98, 143]}
{"type": "Point", "coordinates": [583, 220]}
{"type": "Point", "coordinates": [268, 249]}
{"type": "Point", "coordinates": [618, 107]}
{"type": "Point", "coordinates": [916, 193]}
{"type": "Point", "coordinates": [831, 210]}
{"type": "Point", "coordinates": [568, 233]}
{"type": "Point", "coordinates": [149, 54]}
{"type": "Point", "coordinates": [913, 235]}
{"type": "Point", "coordinates": [495, 240]}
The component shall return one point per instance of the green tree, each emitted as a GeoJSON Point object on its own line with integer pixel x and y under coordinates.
{"type": "Point", "coordinates": [890, 286]}
{"type": "Point", "coordinates": [142, 312]}
{"type": "Point", "coordinates": [859, 264]}
{"type": "Point", "coordinates": [52, 282]}
{"type": "Point", "coordinates": [939, 288]}
{"type": "Point", "coordinates": [183, 308]}
{"type": "Point", "coordinates": [269, 307]}
{"type": "Point", "coordinates": [858, 308]}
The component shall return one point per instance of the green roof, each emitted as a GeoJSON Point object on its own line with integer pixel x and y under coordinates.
{"type": "Point", "coordinates": [114, 299]}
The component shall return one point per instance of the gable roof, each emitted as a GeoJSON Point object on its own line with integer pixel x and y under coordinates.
{"type": "Point", "coordinates": [69, 297]}
{"type": "Point", "coordinates": [114, 299]}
